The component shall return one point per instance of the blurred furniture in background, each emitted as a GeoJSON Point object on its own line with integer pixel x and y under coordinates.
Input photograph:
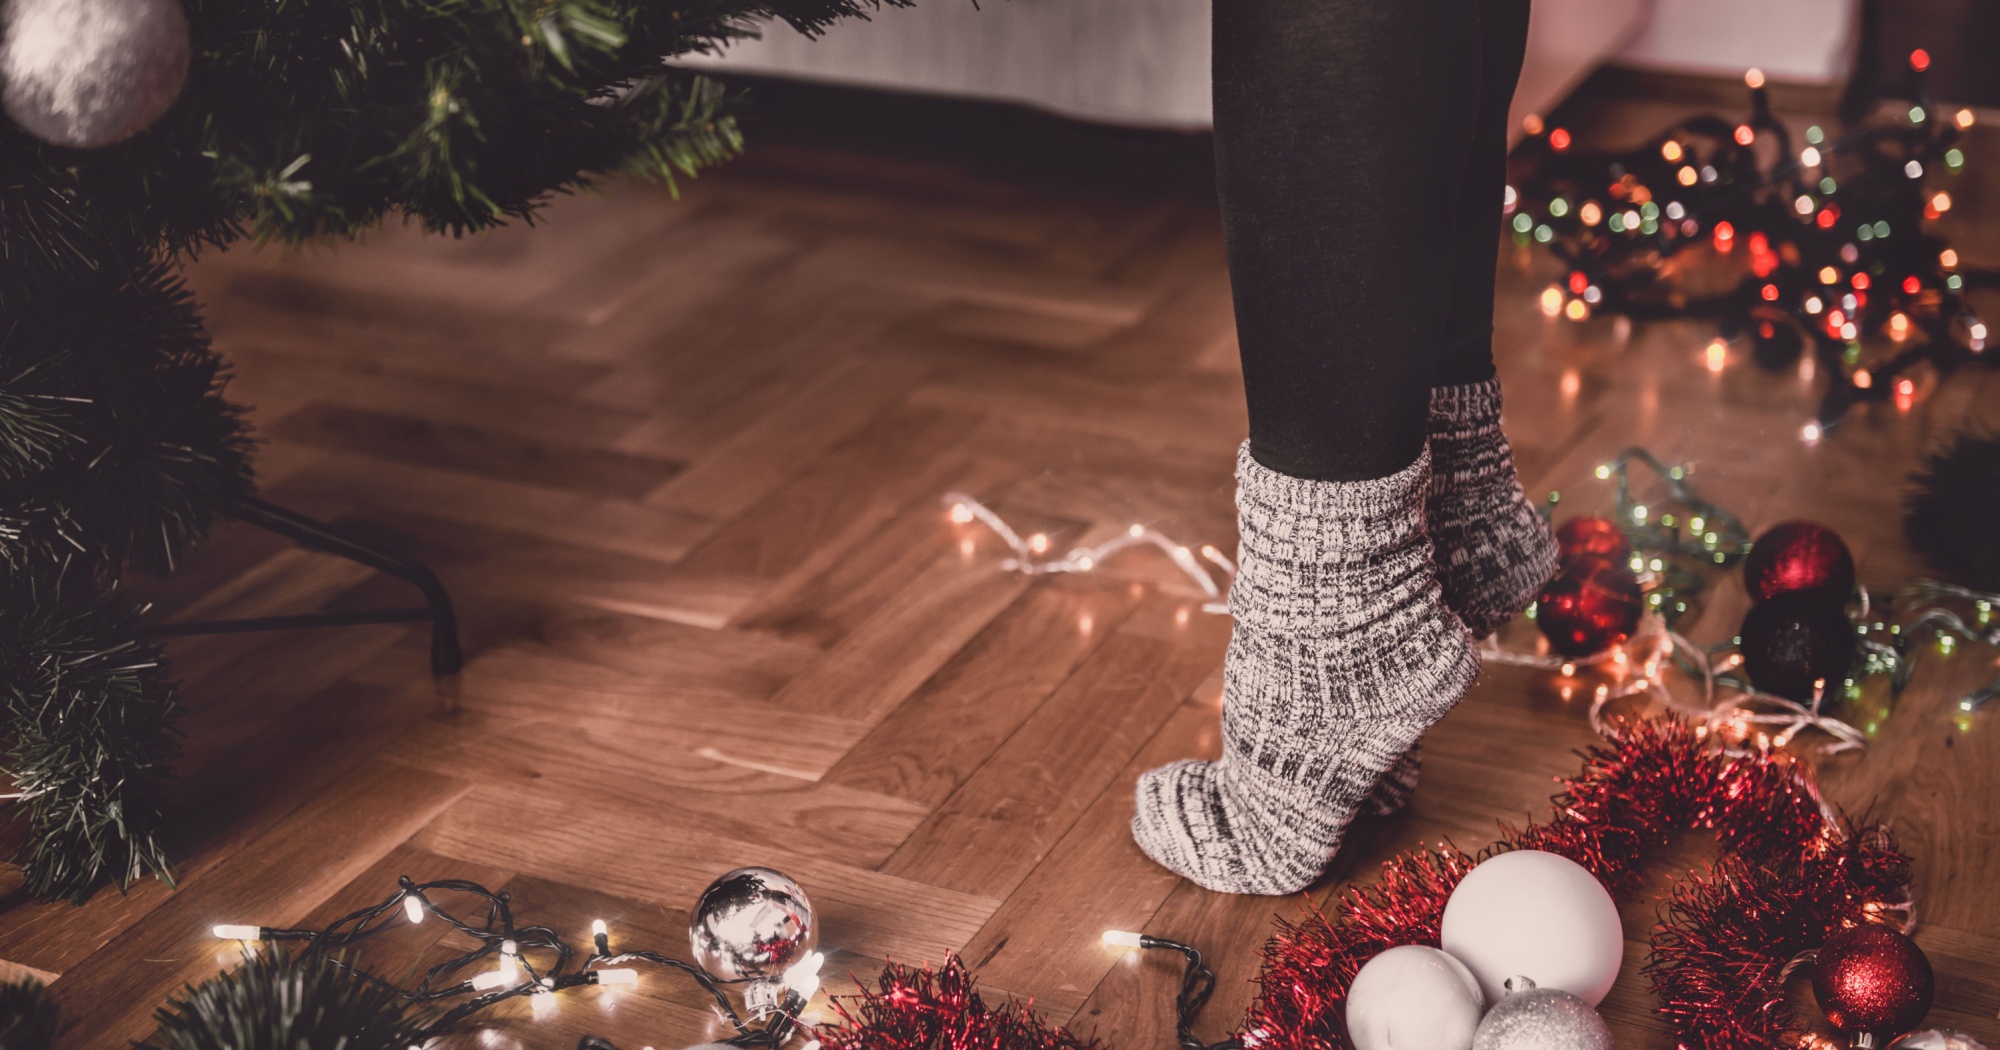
{"type": "Point", "coordinates": [1145, 62]}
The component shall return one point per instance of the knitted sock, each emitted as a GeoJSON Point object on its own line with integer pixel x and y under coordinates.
{"type": "Point", "coordinates": [1343, 654]}
{"type": "Point", "coordinates": [1494, 551]}
{"type": "Point", "coordinates": [1393, 791]}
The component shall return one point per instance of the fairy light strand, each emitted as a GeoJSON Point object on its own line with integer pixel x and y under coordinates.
{"type": "Point", "coordinates": [515, 974]}
{"type": "Point", "coordinates": [1031, 554]}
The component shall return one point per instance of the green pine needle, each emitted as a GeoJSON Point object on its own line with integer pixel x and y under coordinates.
{"type": "Point", "coordinates": [278, 1001]}
{"type": "Point", "coordinates": [28, 1018]}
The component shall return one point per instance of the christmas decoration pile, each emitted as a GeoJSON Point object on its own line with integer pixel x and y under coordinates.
{"type": "Point", "coordinates": [1530, 934]}
{"type": "Point", "coordinates": [1792, 874]}
{"type": "Point", "coordinates": [1834, 234]}
{"type": "Point", "coordinates": [751, 926]}
{"type": "Point", "coordinates": [139, 132]}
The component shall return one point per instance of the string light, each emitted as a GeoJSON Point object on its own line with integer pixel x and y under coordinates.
{"type": "Point", "coordinates": [497, 936]}
{"type": "Point", "coordinates": [964, 509]}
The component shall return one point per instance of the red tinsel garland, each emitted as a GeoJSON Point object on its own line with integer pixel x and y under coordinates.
{"type": "Point", "coordinates": [1790, 874]}
{"type": "Point", "coordinates": [925, 1009]}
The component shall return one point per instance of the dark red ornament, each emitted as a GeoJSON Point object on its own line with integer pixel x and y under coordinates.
{"type": "Point", "coordinates": [1798, 556]}
{"type": "Point", "coordinates": [1591, 537]}
{"type": "Point", "coordinates": [1872, 979]}
{"type": "Point", "coordinates": [1796, 640]}
{"type": "Point", "coordinates": [1590, 606]}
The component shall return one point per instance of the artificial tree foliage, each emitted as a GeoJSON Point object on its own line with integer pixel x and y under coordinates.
{"type": "Point", "coordinates": [300, 120]}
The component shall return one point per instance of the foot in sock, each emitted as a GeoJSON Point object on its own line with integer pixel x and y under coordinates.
{"type": "Point", "coordinates": [1393, 791]}
{"type": "Point", "coordinates": [1494, 551]}
{"type": "Point", "coordinates": [1343, 653]}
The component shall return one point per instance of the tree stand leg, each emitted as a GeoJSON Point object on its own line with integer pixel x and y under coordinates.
{"type": "Point", "coordinates": [319, 536]}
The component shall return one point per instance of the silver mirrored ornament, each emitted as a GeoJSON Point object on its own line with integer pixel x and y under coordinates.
{"type": "Point", "coordinates": [752, 922]}
{"type": "Point", "coordinates": [1531, 1018]}
{"type": "Point", "coordinates": [88, 73]}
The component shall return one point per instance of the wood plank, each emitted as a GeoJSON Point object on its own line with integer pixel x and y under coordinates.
{"type": "Point", "coordinates": [991, 832]}
{"type": "Point", "coordinates": [622, 848]}
{"type": "Point", "coordinates": [937, 737]}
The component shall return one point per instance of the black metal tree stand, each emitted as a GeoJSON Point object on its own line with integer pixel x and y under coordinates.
{"type": "Point", "coordinates": [318, 536]}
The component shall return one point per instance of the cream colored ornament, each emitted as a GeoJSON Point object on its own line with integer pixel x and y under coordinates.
{"type": "Point", "coordinates": [1413, 997]}
{"type": "Point", "coordinates": [1538, 915]}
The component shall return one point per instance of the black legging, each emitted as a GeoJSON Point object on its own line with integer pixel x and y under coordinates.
{"type": "Point", "coordinates": [1361, 150]}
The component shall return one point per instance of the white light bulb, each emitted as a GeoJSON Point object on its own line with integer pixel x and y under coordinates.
{"type": "Point", "coordinates": [1809, 157]}
{"type": "Point", "coordinates": [413, 908]}
{"type": "Point", "coordinates": [1914, 169]}
{"type": "Point", "coordinates": [598, 928]}
{"type": "Point", "coordinates": [803, 976]}
{"type": "Point", "coordinates": [1810, 432]}
{"type": "Point", "coordinates": [1121, 938]}
{"type": "Point", "coordinates": [617, 977]}
{"type": "Point", "coordinates": [234, 932]}
{"type": "Point", "coordinates": [510, 959]}
{"type": "Point", "coordinates": [543, 1002]}
{"type": "Point", "coordinates": [492, 979]}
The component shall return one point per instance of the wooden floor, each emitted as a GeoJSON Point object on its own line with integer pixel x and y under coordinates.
{"type": "Point", "coordinates": [681, 461]}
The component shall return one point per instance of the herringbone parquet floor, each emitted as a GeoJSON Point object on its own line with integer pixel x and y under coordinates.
{"type": "Point", "coordinates": [681, 461]}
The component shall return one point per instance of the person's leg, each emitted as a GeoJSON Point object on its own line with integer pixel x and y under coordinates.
{"type": "Point", "coordinates": [1494, 550]}
{"type": "Point", "coordinates": [1341, 129]}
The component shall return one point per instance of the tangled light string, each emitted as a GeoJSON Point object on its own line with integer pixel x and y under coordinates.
{"type": "Point", "coordinates": [1031, 554]}
{"type": "Point", "coordinates": [515, 974]}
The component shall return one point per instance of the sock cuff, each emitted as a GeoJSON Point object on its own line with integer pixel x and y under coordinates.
{"type": "Point", "coordinates": [1467, 405]}
{"type": "Point", "coordinates": [1259, 488]}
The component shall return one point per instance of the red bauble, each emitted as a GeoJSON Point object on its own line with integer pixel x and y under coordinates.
{"type": "Point", "coordinates": [1798, 556]}
{"type": "Point", "coordinates": [1872, 979]}
{"type": "Point", "coordinates": [1598, 538]}
{"type": "Point", "coordinates": [1590, 606]}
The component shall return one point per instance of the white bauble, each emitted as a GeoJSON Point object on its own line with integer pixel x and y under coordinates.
{"type": "Point", "coordinates": [1413, 998]}
{"type": "Point", "coordinates": [1537, 915]}
{"type": "Point", "coordinates": [88, 73]}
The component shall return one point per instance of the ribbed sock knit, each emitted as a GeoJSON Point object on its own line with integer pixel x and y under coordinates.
{"type": "Point", "coordinates": [1494, 550]}
{"type": "Point", "coordinates": [1343, 653]}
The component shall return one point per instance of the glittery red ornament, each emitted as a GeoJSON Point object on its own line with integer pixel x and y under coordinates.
{"type": "Point", "coordinates": [1798, 556]}
{"type": "Point", "coordinates": [1589, 607]}
{"type": "Point", "coordinates": [1590, 537]}
{"type": "Point", "coordinates": [1872, 979]}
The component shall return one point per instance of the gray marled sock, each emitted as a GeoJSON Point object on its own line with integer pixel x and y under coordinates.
{"type": "Point", "coordinates": [1343, 654]}
{"type": "Point", "coordinates": [1394, 790]}
{"type": "Point", "coordinates": [1494, 551]}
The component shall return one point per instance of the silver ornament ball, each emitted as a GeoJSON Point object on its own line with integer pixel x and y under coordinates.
{"type": "Point", "coordinates": [1531, 1018]}
{"type": "Point", "coordinates": [752, 922]}
{"type": "Point", "coordinates": [87, 73]}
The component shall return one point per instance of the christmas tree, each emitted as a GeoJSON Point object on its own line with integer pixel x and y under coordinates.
{"type": "Point", "coordinates": [142, 132]}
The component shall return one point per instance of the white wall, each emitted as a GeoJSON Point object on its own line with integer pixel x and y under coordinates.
{"type": "Point", "coordinates": [1141, 62]}
{"type": "Point", "coordinates": [1799, 40]}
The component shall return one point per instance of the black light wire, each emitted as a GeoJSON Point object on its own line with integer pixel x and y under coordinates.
{"type": "Point", "coordinates": [331, 942]}
{"type": "Point", "coordinates": [1197, 984]}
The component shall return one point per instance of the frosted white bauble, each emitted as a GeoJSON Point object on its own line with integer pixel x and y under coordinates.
{"type": "Point", "coordinates": [1536, 915]}
{"type": "Point", "coordinates": [89, 73]}
{"type": "Point", "coordinates": [1413, 998]}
